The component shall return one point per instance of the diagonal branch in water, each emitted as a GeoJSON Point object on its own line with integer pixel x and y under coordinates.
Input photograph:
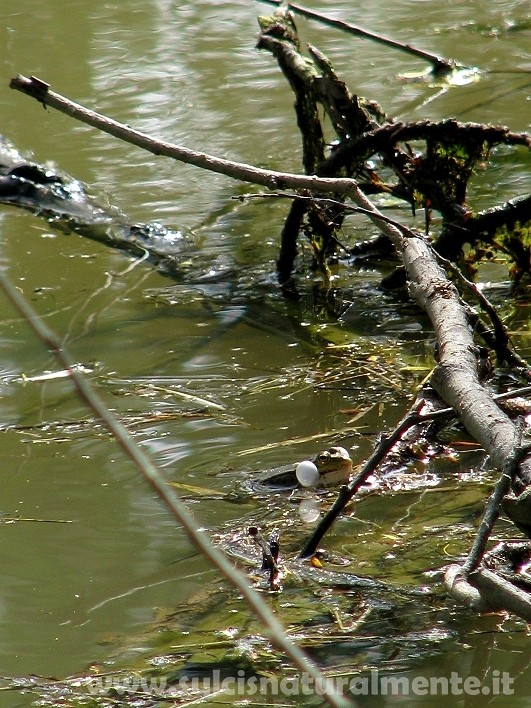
{"type": "Point", "coordinates": [159, 483]}
{"type": "Point", "coordinates": [440, 65]}
{"type": "Point", "coordinates": [493, 508]}
{"type": "Point", "coordinates": [498, 336]}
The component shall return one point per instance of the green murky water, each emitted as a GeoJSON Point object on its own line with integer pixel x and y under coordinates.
{"type": "Point", "coordinates": [92, 552]}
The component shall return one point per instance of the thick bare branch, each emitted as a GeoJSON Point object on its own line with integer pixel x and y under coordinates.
{"type": "Point", "coordinates": [485, 591]}
{"type": "Point", "coordinates": [456, 379]}
{"type": "Point", "coordinates": [38, 89]}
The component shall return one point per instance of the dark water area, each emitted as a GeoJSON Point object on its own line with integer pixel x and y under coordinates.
{"type": "Point", "coordinates": [214, 373]}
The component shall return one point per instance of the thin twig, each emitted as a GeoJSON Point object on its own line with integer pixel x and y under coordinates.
{"type": "Point", "coordinates": [164, 491]}
{"type": "Point", "coordinates": [11, 519]}
{"type": "Point", "coordinates": [499, 328]}
{"type": "Point", "coordinates": [512, 394]}
{"type": "Point", "coordinates": [237, 170]}
{"type": "Point", "coordinates": [439, 64]}
{"type": "Point", "coordinates": [500, 341]}
{"type": "Point", "coordinates": [493, 508]}
{"type": "Point", "coordinates": [328, 201]}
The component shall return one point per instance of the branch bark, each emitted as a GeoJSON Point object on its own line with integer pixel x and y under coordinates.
{"type": "Point", "coordinates": [37, 89]}
{"type": "Point", "coordinates": [272, 179]}
{"type": "Point", "coordinates": [455, 378]}
{"type": "Point", "coordinates": [485, 591]}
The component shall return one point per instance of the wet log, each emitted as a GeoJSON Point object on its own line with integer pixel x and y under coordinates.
{"type": "Point", "coordinates": [485, 591]}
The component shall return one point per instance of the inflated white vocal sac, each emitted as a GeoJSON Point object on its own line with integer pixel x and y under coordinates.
{"type": "Point", "coordinates": [307, 473]}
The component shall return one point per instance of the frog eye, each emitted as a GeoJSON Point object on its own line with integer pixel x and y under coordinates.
{"type": "Point", "coordinates": [339, 452]}
{"type": "Point", "coordinates": [323, 457]}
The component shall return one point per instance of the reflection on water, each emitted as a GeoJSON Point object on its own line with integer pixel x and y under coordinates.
{"type": "Point", "coordinates": [165, 355]}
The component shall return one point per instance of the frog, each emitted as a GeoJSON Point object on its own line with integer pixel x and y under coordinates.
{"type": "Point", "coordinates": [334, 466]}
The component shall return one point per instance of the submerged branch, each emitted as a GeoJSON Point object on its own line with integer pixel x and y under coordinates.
{"type": "Point", "coordinates": [485, 591]}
